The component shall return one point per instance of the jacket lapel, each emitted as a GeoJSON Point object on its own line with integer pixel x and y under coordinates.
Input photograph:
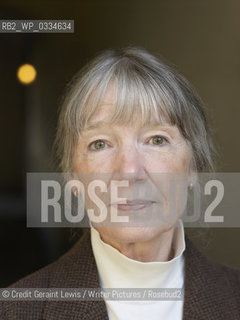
{"type": "Point", "coordinates": [76, 269]}
{"type": "Point", "coordinates": [206, 293]}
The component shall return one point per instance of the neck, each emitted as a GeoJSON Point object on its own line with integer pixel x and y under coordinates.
{"type": "Point", "coordinates": [158, 248]}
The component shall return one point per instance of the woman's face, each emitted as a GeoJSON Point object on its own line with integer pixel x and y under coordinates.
{"type": "Point", "coordinates": [149, 158]}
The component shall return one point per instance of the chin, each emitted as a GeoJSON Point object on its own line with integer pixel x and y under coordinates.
{"type": "Point", "coordinates": [132, 234]}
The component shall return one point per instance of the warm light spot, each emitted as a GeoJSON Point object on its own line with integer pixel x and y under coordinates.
{"type": "Point", "coordinates": [26, 73]}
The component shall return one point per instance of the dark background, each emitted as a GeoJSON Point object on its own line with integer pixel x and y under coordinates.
{"type": "Point", "coordinates": [201, 38]}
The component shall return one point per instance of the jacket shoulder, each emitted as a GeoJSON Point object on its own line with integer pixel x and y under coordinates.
{"type": "Point", "coordinates": [53, 275]}
{"type": "Point", "coordinates": [212, 290]}
{"type": "Point", "coordinates": [31, 309]}
{"type": "Point", "coordinates": [233, 276]}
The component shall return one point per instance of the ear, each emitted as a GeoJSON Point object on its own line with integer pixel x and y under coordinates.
{"type": "Point", "coordinates": [193, 177]}
{"type": "Point", "coordinates": [75, 192]}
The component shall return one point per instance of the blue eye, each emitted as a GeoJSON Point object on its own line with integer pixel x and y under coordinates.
{"type": "Point", "coordinates": [158, 140]}
{"type": "Point", "coordinates": [97, 145]}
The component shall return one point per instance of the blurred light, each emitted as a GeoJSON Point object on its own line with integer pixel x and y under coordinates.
{"type": "Point", "coordinates": [26, 73]}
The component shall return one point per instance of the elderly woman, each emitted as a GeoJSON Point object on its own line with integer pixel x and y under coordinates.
{"type": "Point", "coordinates": [130, 117]}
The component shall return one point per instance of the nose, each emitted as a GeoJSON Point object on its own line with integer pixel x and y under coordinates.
{"type": "Point", "coordinates": [129, 164]}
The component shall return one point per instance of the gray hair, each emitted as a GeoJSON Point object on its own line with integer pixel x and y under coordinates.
{"type": "Point", "coordinates": [144, 86]}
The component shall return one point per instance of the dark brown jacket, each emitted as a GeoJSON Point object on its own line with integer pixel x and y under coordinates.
{"type": "Point", "coordinates": [212, 291]}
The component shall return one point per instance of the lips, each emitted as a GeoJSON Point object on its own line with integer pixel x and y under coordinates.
{"type": "Point", "coordinates": [133, 205]}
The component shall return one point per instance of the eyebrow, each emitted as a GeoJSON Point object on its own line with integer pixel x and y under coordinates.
{"type": "Point", "coordinates": [101, 124]}
{"type": "Point", "coordinates": [95, 125]}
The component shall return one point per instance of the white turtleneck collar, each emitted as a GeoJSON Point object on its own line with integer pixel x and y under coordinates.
{"type": "Point", "coordinates": [118, 271]}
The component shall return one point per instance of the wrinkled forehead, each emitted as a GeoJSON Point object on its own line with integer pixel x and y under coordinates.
{"type": "Point", "coordinates": [102, 119]}
{"type": "Point", "coordinates": [123, 105]}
